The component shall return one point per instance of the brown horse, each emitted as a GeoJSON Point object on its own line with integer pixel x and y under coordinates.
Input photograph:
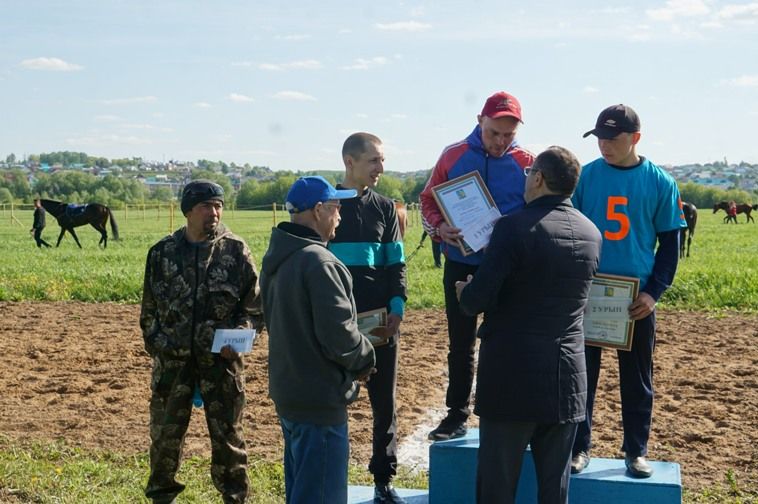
{"type": "Point", "coordinates": [71, 216]}
{"type": "Point", "coordinates": [402, 216]}
{"type": "Point", "coordinates": [686, 233]}
{"type": "Point", "coordinates": [741, 208]}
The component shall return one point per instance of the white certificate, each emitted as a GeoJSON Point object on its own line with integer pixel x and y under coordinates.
{"type": "Point", "coordinates": [606, 318]}
{"type": "Point", "coordinates": [466, 204]}
{"type": "Point", "coordinates": [241, 340]}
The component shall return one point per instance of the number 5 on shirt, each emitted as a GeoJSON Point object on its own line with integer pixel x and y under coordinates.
{"type": "Point", "coordinates": [612, 214]}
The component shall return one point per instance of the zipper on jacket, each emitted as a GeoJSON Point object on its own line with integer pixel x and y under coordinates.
{"type": "Point", "coordinates": [194, 303]}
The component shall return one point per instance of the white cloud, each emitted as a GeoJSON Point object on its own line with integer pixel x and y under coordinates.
{"type": "Point", "coordinates": [293, 96]}
{"type": "Point", "coordinates": [361, 115]}
{"type": "Point", "coordinates": [129, 101]}
{"type": "Point", "coordinates": [679, 8]}
{"type": "Point", "coordinates": [408, 26]}
{"type": "Point", "coordinates": [202, 105]}
{"type": "Point", "coordinates": [365, 64]}
{"type": "Point", "coordinates": [292, 65]}
{"type": "Point", "coordinates": [147, 127]}
{"type": "Point", "coordinates": [107, 139]}
{"type": "Point", "coordinates": [742, 12]}
{"type": "Point", "coordinates": [590, 90]}
{"type": "Point", "coordinates": [296, 37]}
{"type": "Point", "coordinates": [52, 64]}
{"type": "Point", "coordinates": [107, 118]}
{"type": "Point", "coordinates": [398, 116]}
{"type": "Point", "coordinates": [742, 81]}
{"type": "Point", "coordinates": [240, 98]}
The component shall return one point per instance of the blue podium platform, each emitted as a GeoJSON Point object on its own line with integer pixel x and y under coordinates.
{"type": "Point", "coordinates": [365, 495]}
{"type": "Point", "coordinates": [452, 478]}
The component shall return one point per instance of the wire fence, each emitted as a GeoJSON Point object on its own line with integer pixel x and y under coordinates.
{"type": "Point", "coordinates": [171, 213]}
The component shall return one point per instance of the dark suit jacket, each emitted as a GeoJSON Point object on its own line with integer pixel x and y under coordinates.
{"type": "Point", "coordinates": [533, 286]}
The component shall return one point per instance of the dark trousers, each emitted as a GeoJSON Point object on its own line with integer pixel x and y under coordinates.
{"type": "Point", "coordinates": [636, 382]}
{"type": "Point", "coordinates": [38, 238]}
{"type": "Point", "coordinates": [461, 331]}
{"type": "Point", "coordinates": [437, 253]}
{"type": "Point", "coordinates": [381, 393]}
{"type": "Point", "coordinates": [501, 451]}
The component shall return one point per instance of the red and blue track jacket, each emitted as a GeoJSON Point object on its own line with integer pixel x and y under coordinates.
{"type": "Point", "coordinates": [504, 177]}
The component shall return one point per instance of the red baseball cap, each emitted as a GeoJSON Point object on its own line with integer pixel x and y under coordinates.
{"type": "Point", "coordinates": [502, 104]}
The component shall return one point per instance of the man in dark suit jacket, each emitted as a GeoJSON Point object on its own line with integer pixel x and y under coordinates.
{"type": "Point", "coordinates": [533, 286]}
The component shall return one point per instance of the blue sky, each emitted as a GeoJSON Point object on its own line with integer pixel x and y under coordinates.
{"type": "Point", "coordinates": [282, 84]}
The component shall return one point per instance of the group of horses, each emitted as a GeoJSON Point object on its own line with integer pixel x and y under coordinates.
{"type": "Point", "coordinates": [745, 208]}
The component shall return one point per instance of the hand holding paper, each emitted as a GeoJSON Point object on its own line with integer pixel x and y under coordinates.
{"type": "Point", "coordinates": [239, 341]}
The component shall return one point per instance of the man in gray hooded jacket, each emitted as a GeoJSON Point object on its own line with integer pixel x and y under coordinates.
{"type": "Point", "coordinates": [317, 356]}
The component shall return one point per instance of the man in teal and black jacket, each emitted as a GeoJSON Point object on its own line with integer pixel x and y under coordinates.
{"type": "Point", "coordinates": [369, 243]}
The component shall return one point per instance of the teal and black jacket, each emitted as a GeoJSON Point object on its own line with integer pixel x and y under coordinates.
{"type": "Point", "coordinates": [369, 243]}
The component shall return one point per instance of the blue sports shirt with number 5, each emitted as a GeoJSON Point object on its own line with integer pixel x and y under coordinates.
{"type": "Point", "coordinates": [630, 206]}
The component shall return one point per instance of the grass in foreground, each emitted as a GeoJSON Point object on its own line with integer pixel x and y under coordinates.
{"type": "Point", "coordinates": [55, 473]}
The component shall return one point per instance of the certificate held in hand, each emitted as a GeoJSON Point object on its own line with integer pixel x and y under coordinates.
{"type": "Point", "coordinates": [466, 203]}
{"type": "Point", "coordinates": [241, 340]}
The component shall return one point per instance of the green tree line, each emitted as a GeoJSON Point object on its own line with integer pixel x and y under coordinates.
{"type": "Point", "coordinates": [115, 191]}
{"type": "Point", "coordinates": [705, 197]}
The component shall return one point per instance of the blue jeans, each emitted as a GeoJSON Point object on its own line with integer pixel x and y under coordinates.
{"type": "Point", "coordinates": [315, 462]}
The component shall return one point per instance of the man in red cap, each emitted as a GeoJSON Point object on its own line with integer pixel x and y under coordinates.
{"type": "Point", "coordinates": [492, 150]}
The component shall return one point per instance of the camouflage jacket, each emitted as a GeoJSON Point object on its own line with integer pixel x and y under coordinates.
{"type": "Point", "coordinates": [190, 290]}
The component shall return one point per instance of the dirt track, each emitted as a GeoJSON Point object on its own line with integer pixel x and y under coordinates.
{"type": "Point", "coordinates": [77, 372]}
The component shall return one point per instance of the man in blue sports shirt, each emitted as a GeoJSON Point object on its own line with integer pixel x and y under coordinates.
{"type": "Point", "coordinates": [636, 205]}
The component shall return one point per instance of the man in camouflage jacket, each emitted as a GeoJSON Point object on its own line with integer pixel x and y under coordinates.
{"type": "Point", "coordinates": [199, 279]}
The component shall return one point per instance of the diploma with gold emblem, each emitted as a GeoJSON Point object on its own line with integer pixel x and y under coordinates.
{"type": "Point", "coordinates": [467, 204]}
{"type": "Point", "coordinates": [373, 324]}
{"type": "Point", "coordinates": [606, 318]}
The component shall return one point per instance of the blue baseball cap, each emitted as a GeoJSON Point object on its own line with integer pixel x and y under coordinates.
{"type": "Point", "coordinates": [306, 192]}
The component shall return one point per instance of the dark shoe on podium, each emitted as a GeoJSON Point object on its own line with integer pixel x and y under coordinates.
{"type": "Point", "coordinates": [385, 494]}
{"type": "Point", "coordinates": [580, 462]}
{"type": "Point", "coordinates": [448, 429]}
{"type": "Point", "coordinates": [638, 467]}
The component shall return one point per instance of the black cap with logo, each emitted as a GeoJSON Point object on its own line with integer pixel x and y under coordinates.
{"type": "Point", "coordinates": [614, 120]}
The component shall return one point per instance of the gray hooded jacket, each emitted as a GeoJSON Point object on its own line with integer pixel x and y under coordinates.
{"type": "Point", "coordinates": [315, 348]}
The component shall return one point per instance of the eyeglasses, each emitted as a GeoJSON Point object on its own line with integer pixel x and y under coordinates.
{"type": "Point", "coordinates": [332, 205]}
{"type": "Point", "coordinates": [530, 169]}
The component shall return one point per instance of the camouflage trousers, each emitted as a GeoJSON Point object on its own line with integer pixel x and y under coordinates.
{"type": "Point", "coordinates": [222, 387]}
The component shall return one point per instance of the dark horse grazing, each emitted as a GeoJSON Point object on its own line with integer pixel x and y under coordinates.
{"type": "Point", "coordinates": [690, 215]}
{"type": "Point", "coordinates": [741, 208]}
{"type": "Point", "coordinates": [69, 218]}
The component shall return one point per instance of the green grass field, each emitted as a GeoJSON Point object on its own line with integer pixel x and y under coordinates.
{"type": "Point", "coordinates": [721, 274]}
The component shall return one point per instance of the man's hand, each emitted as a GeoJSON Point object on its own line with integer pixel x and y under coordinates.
{"type": "Point", "coordinates": [449, 234]}
{"type": "Point", "coordinates": [642, 306]}
{"type": "Point", "coordinates": [364, 377]}
{"type": "Point", "coordinates": [229, 353]}
{"type": "Point", "coordinates": [460, 285]}
{"type": "Point", "coordinates": [393, 323]}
